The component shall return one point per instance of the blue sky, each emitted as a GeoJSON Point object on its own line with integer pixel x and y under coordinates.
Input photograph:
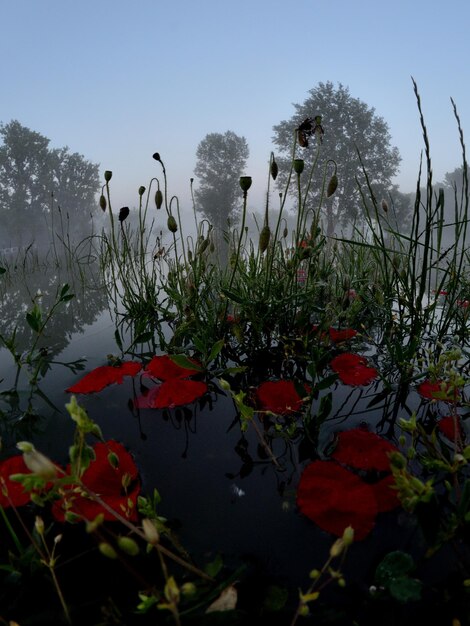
{"type": "Point", "coordinates": [117, 80]}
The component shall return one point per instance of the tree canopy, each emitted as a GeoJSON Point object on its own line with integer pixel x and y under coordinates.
{"type": "Point", "coordinates": [351, 128]}
{"type": "Point", "coordinates": [38, 184]}
{"type": "Point", "coordinates": [221, 159]}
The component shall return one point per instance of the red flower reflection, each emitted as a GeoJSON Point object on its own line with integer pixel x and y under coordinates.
{"type": "Point", "coordinates": [164, 368]}
{"type": "Point", "coordinates": [11, 492]}
{"type": "Point", "coordinates": [342, 335]}
{"type": "Point", "coordinates": [352, 369]}
{"type": "Point", "coordinates": [334, 498]}
{"type": "Point", "coordinates": [105, 375]}
{"type": "Point", "coordinates": [175, 390]}
{"type": "Point", "coordinates": [451, 427]}
{"type": "Point", "coordinates": [362, 449]}
{"type": "Point", "coordinates": [279, 397]}
{"type": "Point", "coordinates": [439, 390]}
{"type": "Point", "coordinates": [171, 393]}
{"type": "Point", "coordinates": [117, 485]}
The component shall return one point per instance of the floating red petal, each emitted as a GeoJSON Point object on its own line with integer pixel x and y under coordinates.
{"type": "Point", "coordinates": [105, 375]}
{"type": "Point", "coordinates": [163, 368]}
{"type": "Point", "coordinates": [451, 427]}
{"type": "Point", "coordinates": [362, 449]}
{"type": "Point", "coordinates": [342, 335]}
{"type": "Point", "coordinates": [279, 396]}
{"type": "Point", "coordinates": [334, 498]}
{"type": "Point", "coordinates": [105, 480]}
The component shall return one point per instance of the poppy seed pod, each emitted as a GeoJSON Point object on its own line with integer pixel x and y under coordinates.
{"type": "Point", "coordinates": [332, 186]}
{"type": "Point", "coordinates": [103, 203]}
{"type": "Point", "coordinates": [298, 166]}
{"type": "Point", "coordinates": [245, 182]}
{"type": "Point", "coordinates": [123, 213]}
{"type": "Point", "coordinates": [274, 169]}
{"type": "Point", "coordinates": [108, 175]}
{"type": "Point", "coordinates": [264, 238]}
{"type": "Point", "coordinates": [158, 199]}
{"type": "Point", "coordinates": [156, 156]}
{"type": "Point", "coordinates": [141, 190]}
{"type": "Point", "coordinates": [172, 225]}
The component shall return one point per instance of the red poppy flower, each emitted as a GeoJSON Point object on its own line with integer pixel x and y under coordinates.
{"type": "Point", "coordinates": [359, 375]}
{"type": "Point", "coordinates": [11, 492]}
{"type": "Point", "coordinates": [385, 494]}
{"type": "Point", "coordinates": [346, 361]}
{"type": "Point", "coordinates": [163, 368]}
{"type": "Point", "coordinates": [105, 375]}
{"type": "Point", "coordinates": [117, 485]}
{"type": "Point", "coordinates": [342, 335]}
{"type": "Point", "coordinates": [171, 393]}
{"type": "Point", "coordinates": [362, 449]}
{"type": "Point", "coordinates": [279, 396]}
{"type": "Point", "coordinates": [451, 427]}
{"type": "Point", "coordinates": [438, 390]}
{"type": "Point", "coordinates": [334, 498]}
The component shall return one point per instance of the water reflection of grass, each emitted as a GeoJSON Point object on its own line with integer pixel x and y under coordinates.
{"type": "Point", "coordinates": [305, 337]}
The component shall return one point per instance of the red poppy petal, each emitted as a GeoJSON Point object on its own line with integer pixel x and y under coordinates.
{"type": "Point", "coordinates": [148, 399]}
{"type": "Point", "coordinates": [335, 498]}
{"type": "Point", "coordinates": [279, 396]}
{"type": "Point", "coordinates": [386, 496]}
{"type": "Point", "coordinates": [163, 368]}
{"type": "Point", "coordinates": [176, 392]}
{"type": "Point", "coordinates": [346, 361]}
{"type": "Point", "coordinates": [89, 508]}
{"type": "Point", "coordinates": [15, 496]}
{"type": "Point", "coordinates": [362, 449]}
{"type": "Point", "coordinates": [103, 477]}
{"type": "Point", "coordinates": [105, 375]}
{"type": "Point", "coordinates": [434, 391]}
{"type": "Point", "coordinates": [342, 335]}
{"type": "Point", "coordinates": [358, 375]}
{"type": "Point", "coordinates": [451, 427]}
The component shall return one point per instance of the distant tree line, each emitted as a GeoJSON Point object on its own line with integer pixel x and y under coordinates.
{"type": "Point", "coordinates": [42, 189]}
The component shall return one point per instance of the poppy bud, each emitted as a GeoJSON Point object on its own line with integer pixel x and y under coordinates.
{"type": "Point", "coordinates": [123, 213]}
{"type": "Point", "coordinates": [103, 203]}
{"type": "Point", "coordinates": [332, 185]}
{"type": "Point", "coordinates": [141, 190]}
{"type": "Point", "coordinates": [384, 206]}
{"type": "Point", "coordinates": [203, 246]}
{"type": "Point", "coordinates": [107, 550]}
{"type": "Point", "coordinates": [156, 156]}
{"type": "Point", "coordinates": [150, 531]}
{"type": "Point", "coordinates": [245, 182]}
{"type": "Point", "coordinates": [158, 199]}
{"type": "Point", "coordinates": [299, 166]}
{"type": "Point", "coordinates": [128, 545]}
{"type": "Point", "coordinates": [264, 238]}
{"type": "Point", "coordinates": [172, 225]}
{"type": "Point", "coordinates": [274, 169]}
{"type": "Point", "coordinates": [108, 175]}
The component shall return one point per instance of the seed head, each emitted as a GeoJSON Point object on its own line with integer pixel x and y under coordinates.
{"type": "Point", "coordinates": [108, 175]}
{"type": "Point", "coordinates": [245, 182]}
{"type": "Point", "coordinates": [298, 166]}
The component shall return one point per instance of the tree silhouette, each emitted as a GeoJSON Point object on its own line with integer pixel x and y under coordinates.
{"type": "Point", "coordinates": [36, 180]}
{"type": "Point", "coordinates": [221, 159]}
{"type": "Point", "coordinates": [349, 126]}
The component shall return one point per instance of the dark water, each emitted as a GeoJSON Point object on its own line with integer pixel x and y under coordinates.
{"type": "Point", "coordinates": [197, 459]}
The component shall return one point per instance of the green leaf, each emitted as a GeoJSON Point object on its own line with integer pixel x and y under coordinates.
{"type": "Point", "coordinates": [395, 565]}
{"type": "Point", "coordinates": [405, 589]}
{"type": "Point", "coordinates": [144, 337]}
{"type": "Point", "coordinates": [276, 598]}
{"type": "Point", "coordinates": [214, 567]}
{"type": "Point", "coordinates": [117, 339]}
{"type": "Point", "coordinates": [183, 361]}
{"type": "Point", "coordinates": [2, 270]}
{"type": "Point", "coordinates": [233, 296]}
{"type": "Point", "coordinates": [216, 348]}
{"type": "Point", "coordinates": [326, 404]}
